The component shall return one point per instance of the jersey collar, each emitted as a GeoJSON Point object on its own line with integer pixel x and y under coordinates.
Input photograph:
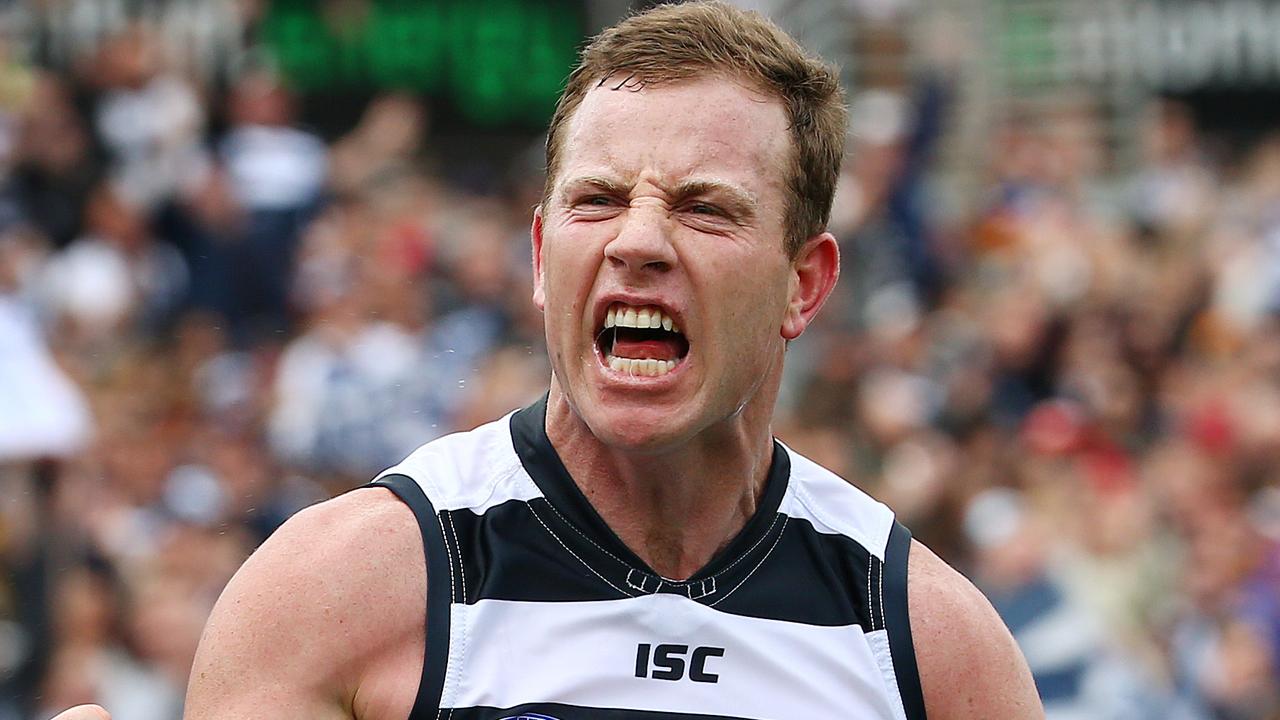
{"type": "Point", "coordinates": [574, 510]}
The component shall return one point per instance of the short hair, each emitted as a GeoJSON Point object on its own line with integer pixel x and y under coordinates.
{"type": "Point", "coordinates": [671, 43]}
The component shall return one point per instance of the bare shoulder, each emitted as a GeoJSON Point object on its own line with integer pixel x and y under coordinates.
{"type": "Point", "coordinates": [326, 619]}
{"type": "Point", "coordinates": [970, 667]}
{"type": "Point", "coordinates": [84, 712]}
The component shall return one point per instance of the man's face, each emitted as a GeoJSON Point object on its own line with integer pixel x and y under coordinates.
{"type": "Point", "coordinates": [668, 199]}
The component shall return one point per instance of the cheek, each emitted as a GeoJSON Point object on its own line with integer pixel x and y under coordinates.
{"type": "Point", "coordinates": [558, 267]}
{"type": "Point", "coordinates": [568, 276]}
{"type": "Point", "coordinates": [753, 301]}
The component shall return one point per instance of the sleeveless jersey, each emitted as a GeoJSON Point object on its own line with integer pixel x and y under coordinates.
{"type": "Point", "coordinates": [537, 611]}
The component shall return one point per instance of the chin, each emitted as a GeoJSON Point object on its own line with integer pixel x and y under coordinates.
{"type": "Point", "coordinates": [638, 427]}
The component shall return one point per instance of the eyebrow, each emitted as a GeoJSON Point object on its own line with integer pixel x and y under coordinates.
{"type": "Point", "coordinates": [596, 182]}
{"type": "Point", "coordinates": [736, 201]}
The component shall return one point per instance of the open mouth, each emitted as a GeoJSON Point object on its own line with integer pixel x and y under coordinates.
{"type": "Point", "coordinates": [641, 340]}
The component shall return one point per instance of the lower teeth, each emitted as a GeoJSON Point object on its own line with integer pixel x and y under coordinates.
{"type": "Point", "coordinates": [648, 366]}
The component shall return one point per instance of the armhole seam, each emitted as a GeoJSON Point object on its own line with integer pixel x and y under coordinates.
{"type": "Point", "coordinates": [435, 660]}
{"type": "Point", "coordinates": [898, 622]}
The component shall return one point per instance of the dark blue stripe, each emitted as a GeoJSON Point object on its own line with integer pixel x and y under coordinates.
{"type": "Point", "coordinates": [436, 658]}
{"type": "Point", "coordinates": [559, 711]}
{"type": "Point", "coordinates": [898, 621]}
{"type": "Point", "coordinates": [509, 553]}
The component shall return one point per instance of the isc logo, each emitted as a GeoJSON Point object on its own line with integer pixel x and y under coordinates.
{"type": "Point", "coordinates": [669, 662]}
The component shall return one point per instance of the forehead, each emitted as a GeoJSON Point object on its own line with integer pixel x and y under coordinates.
{"type": "Point", "coordinates": [681, 130]}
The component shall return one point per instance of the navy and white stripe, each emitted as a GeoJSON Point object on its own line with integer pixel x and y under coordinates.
{"type": "Point", "coordinates": [536, 607]}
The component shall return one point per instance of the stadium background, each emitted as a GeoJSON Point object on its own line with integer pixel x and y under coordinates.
{"type": "Point", "coordinates": [251, 252]}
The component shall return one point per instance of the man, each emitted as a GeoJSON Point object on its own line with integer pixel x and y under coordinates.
{"type": "Point", "coordinates": [636, 544]}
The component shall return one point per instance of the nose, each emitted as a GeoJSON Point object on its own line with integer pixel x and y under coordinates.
{"type": "Point", "coordinates": [643, 243]}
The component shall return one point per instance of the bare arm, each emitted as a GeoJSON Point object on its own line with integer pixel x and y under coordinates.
{"type": "Point", "coordinates": [325, 621]}
{"type": "Point", "coordinates": [970, 667]}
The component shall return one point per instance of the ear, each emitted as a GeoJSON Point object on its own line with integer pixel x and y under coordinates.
{"type": "Point", "coordinates": [814, 274]}
{"type": "Point", "coordinates": [535, 233]}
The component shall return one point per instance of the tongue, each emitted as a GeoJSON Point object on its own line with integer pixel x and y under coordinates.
{"type": "Point", "coordinates": [655, 349]}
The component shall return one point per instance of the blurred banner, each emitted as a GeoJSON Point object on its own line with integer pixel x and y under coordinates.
{"type": "Point", "coordinates": [1177, 45]}
{"type": "Point", "coordinates": [494, 62]}
{"type": "Point", "coordinates": [480, 63]}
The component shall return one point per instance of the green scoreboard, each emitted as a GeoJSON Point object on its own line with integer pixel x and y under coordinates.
{"type": "Point", "coordinates": [486, 63]}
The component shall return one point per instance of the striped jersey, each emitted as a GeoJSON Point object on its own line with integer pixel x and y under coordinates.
{"type": "Point", "coordinates": [536, 610]}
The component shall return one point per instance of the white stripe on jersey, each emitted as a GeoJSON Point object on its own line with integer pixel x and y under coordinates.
{"type": "Point", "coordinates": [584, 653]}
{"type": "Point", "coordinates": [476, 470]}
{"type": "Point", "coordinates": [834, 506]}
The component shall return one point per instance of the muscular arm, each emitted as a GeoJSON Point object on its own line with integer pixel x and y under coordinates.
{"type": "Point", "coordinates": [324, 621]}
{"type": "Point", "coordinates": [970, 667]}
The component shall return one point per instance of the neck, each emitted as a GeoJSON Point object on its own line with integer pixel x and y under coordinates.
{"type": "Point", "coordinates": [677, 506]}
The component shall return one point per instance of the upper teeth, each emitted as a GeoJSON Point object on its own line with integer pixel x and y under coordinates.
{"type": "Point", "coordinates": [642, 317]}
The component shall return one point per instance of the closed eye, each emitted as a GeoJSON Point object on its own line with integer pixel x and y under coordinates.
{"type": "Point", "coordinates": [598, 206]}
{"type": "Point", "coordinates": [592, 202]}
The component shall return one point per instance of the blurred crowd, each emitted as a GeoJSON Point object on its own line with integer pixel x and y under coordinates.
{"type": "Point", "coordinates": [211, 317]}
